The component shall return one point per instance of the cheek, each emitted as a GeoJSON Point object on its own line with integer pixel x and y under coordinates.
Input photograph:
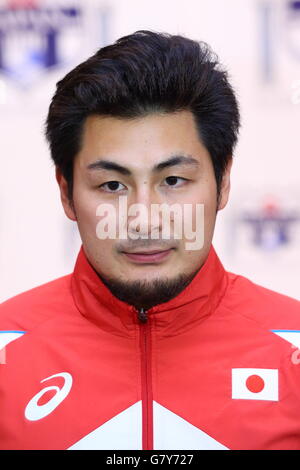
{"type": "Point", "coordinates": [205, 194]}
{"type": "Point", "coordinates": [86, 205]}
{"type": "Point", "coordinates": [208, 196]}
{"type": "Point", "coordinates": [202, 222]}
{"type": "Point", "coordinates": [97, 220]}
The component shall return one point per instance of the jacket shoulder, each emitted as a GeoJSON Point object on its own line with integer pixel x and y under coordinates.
{"type": "Point", "coordinates": [271, 309]}
{"type": "Point", "coordinates": [29, 308]}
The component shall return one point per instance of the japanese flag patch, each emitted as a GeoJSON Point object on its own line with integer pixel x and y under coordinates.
{"type": "Point", "coordinates": [255, 384]}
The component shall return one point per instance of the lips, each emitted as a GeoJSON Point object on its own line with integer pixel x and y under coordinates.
{"type": "Point", "coordinates": [148, 256]}
{"type": "Point", "coordinates": [144, 252]}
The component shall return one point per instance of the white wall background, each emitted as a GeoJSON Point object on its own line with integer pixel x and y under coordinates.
{"type": "Point", "coordinates": [38, 243]}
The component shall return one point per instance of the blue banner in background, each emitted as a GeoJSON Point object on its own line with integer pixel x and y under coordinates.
{"type": "Point", "coordinates": [33, 38]}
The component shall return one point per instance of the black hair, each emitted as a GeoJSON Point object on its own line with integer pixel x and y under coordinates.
{"type": "Point", "coordinates": [142, 73]}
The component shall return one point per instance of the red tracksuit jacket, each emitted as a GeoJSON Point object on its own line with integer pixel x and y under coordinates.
{"type": "Point", "coordinates": [216, 367]}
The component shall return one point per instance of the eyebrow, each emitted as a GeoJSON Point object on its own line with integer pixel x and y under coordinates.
{"type": "Point", "coordinates": [172, 161]}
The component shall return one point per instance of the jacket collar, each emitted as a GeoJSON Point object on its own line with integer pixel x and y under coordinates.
{"type": "Point", "coordinates": [198, 300]}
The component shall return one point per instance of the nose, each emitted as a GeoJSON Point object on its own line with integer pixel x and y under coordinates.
{"type": "Point", "coordinates": [143, 220]}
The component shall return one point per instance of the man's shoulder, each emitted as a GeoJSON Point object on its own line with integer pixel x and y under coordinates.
{"type": "Point", "coordinates": [268, 307]}
{"type": "Point", "coordinates": [36, 304]}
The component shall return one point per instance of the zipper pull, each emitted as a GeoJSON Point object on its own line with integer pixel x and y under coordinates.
{"type": "Point", "coordinates": [142, 315]}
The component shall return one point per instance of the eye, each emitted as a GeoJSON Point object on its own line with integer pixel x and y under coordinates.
{"type": "Point", "coordinates": [112, 186]}
{"type": "Point", "coordinates": [173, 180]}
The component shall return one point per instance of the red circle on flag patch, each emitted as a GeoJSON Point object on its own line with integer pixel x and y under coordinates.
{"type": "Point", "coordinates": [255, 383]}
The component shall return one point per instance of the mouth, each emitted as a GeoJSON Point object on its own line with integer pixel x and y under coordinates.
{"type": "Point", "coordinates": [153, 256]}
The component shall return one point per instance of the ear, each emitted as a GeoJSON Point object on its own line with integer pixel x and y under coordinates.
{"type": "Point", "coordinates": [225, 186]}
{"type": "Point", "coordinates": [66, 202]}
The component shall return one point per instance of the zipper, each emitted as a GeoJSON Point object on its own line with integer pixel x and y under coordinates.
{"type": "Point", "coordinates": [146, 380]}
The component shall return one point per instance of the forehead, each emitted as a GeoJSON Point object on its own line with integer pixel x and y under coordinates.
{"type": "Point", "coordinates": [140, 141]}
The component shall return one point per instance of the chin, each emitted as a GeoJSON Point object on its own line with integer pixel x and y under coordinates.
{"type": "Point", "coordinates": [146, 277]}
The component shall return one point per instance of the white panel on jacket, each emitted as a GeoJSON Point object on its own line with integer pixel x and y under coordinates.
{"type": "Point", "coordinates": [7, 337]}
{"type": "Point", "coordinates": [292, 336]}
{"type": "Point", "coordinates": [173, 432]}
{"type": "Point", "coordinates": [122, 432]}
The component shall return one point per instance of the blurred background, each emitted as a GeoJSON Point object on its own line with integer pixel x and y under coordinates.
{"type": "Point", "coordinates": [258, 234]}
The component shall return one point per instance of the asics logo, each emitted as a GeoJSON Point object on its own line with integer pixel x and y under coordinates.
{"type": "Point", "coordinates": [34, 412]}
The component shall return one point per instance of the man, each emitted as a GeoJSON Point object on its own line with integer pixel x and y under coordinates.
{"type": "Point", "coordinates": [149, 343]}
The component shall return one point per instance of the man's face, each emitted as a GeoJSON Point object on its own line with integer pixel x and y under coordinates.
{"type": "Point", "coordinates": [137, 159]}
